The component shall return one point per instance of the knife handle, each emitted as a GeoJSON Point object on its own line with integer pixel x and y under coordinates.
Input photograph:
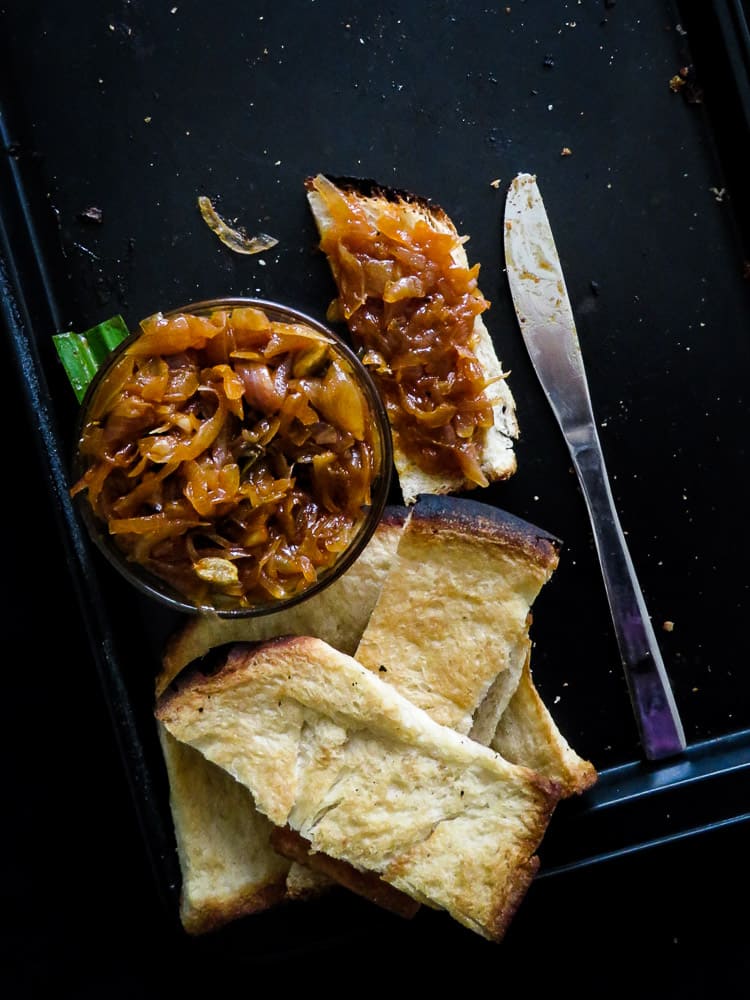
{"type": "Point", "coordinates": [658, 720]}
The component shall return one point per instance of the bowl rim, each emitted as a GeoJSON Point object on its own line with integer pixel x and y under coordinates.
{"type": "Point", "coordinates": [148, 583]}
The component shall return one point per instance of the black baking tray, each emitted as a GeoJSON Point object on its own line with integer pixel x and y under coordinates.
{"type": "Point", "coordinates": [136, 109]}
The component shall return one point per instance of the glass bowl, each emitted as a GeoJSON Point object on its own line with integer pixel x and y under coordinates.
{"type": "Point", "coordinates": [233, 457]}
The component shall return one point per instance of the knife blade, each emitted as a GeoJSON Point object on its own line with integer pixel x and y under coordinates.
{"type": "Point", "coordinates": [548, 328]}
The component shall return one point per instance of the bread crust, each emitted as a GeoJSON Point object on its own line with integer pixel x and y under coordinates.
{"type": "Point", "coordinates": [372, 190]}
{"type": "Point", "coordinates": [223, 845]}
{"type": "Point", "coordinates": [527, 732]}
{"type": "Point", "coordinates": [483, 522]}
{"type": "Point", "coordinates": [497, 443]}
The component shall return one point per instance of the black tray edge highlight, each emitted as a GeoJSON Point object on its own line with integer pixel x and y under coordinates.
{"type": "Point", "coordinates": [702, 789]}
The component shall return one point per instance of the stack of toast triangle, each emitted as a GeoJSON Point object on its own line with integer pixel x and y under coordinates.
{"type": "Point", "coordinates": [411, 757]}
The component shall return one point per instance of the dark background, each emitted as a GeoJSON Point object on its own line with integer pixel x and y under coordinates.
{"type": "Point", "coordinates": [242, 101]}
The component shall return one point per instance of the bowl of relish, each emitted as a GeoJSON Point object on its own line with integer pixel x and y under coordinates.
{"type": "Point", "coordinates": [232, 457]}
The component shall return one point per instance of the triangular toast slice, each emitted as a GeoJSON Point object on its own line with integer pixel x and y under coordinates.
{"type": "Point", "coordinates": [228, 866]}
{"type": "Point", "coordinates": [451, 624]}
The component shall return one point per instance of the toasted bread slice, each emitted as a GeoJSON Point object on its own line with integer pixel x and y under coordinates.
{"type": "Point", "coordinates": [452, 620]}
{"type": "Point", "coordinates": [367, 778]}
{"type": "Point", "coordinates": [353, 214]}
{"type": "Point", "coordinates": [527, 734]}
{"type": "Point", "coordinates": [228, 866]}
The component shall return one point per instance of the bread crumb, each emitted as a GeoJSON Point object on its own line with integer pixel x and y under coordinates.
{"type": "Point", "coordinates": [668, 626]}
{"type": "Point", "coordinates": [566, 151]}
{"type": "Point", "coordinates": [496, 183]}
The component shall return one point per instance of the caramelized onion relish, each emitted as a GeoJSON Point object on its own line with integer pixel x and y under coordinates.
{"type": "Point", "coordinates": [410, 300]}
{"type": "Point", "coordinates": [233, 455]}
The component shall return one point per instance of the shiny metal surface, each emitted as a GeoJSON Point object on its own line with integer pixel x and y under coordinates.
{"type": "Point", "coordinates": [548, 327]}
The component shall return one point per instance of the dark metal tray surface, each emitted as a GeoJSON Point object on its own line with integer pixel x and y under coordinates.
{"type": "Point", "coordinates": [137, 109]}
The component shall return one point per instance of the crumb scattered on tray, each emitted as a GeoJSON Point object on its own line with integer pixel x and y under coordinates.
{"type": "Point", "coordinates": [91, 214]}
{"type": "Point", "coordinates": [684, 82]}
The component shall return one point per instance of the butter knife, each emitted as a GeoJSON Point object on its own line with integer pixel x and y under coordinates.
{"type": "Point", "coordinates": [547, 323]}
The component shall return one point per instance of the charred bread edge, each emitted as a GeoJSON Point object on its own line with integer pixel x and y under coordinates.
{"type": "Point", "coordinates": [482, 520]}
{"type": "Point", "coordinates": [395, 515]}
{"type": "Point", "coordinates": [365, 187]}
{"type": "Point", "coordinates": [518, 888]}
{"type": "Point", "coordinates": [226, 659]}
{"type": "Point", "coordinates": [214, 916]}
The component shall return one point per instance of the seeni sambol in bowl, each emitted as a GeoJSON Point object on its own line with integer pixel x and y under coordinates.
{"type": "Point", "coordinates": [233, 456]}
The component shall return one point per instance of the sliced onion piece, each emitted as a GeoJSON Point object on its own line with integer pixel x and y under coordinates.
{"type": "Point", "coordinates": [236, 239]}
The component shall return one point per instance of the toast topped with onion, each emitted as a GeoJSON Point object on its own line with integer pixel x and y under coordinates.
{"type": "Point", "coordinates": [414, 311]}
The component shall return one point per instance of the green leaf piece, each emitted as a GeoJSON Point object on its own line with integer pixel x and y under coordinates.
{"type": "Point", "coordinates": [82, 354]}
